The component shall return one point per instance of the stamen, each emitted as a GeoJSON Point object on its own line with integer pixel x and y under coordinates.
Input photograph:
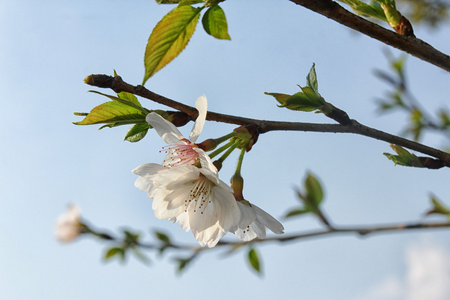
{"type": "Point", "coordinates": [180, 154]}
{"type": "Point", "coordinates": [199, 196]}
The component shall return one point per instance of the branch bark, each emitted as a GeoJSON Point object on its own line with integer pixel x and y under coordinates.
{"type": "Point", "coordinates": [411, 45]}
{"type": "Point", "coordinates": [118, 85]}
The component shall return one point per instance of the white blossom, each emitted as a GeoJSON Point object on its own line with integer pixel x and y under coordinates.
{"type": "Point", "coordinates": [194, 197]}
{"type": "Point", "coordinates": [68, 226]}
{"type": "Point", "coordinates": [181, 151]}
{"type": "Point", "coordinates": [259, 221]}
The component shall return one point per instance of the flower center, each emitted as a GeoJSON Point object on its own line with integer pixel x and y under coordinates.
{"type": "Point", "coordinates": [199, 196]}
{"type": "Point", "coordinates": [180, 154]}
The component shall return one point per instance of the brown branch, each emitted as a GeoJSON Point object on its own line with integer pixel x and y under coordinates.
{"type": "Point", "coordinates": [411, 45]}
{"type": "Point", "coordinates": [118, 85]}
{"type": "Point", "coordinates": [360, 231]}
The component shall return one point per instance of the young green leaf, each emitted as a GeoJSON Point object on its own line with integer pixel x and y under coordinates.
{"type": "Point", "coordinates": [297, 212]}
{"type": "Point", "coordinates": [162, 237]}
{"type": "Point", "coordinates": [113, 113]}
{"type": "Point", "coordinates": [115, 251]}
{"type": "Point", "coordinates": [169, 37]}
{"type": "Point", "coordinates": [361, 8]}
{"type": "Point", "coordinates": [167, 1]}
{"type": "Point", "coordinates": [129, 97]}
{"type": "Point", "coordinates": [404, 158]}
{"type": "Point", "coordinates": [137, 132]}
{"type": "Point", "coordinates": [311, 80]}
{"type": "Point", "coordinates": [184, 262]}
{"type": "Point", "coordinates": [126, 100]}
{"type": "Point", "coordinates": [281, 98]}
{"type": "Point", "coordinates": [438, 207]}
{"type": "Point", "coordinates": [314, 190]}
{"type": "Point", "coordinates": [189, 2]}
{"type": "Point", "coordinates": [301, 102]}
{"type": "Point", "coordinates": [215, 23]}
{"type": "Point", "coordinates": [139, 255]}
{"type": "Point", "coordinates": [253, 259]}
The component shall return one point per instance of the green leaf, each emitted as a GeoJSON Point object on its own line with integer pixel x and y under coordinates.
{"type": "Point", "coordinates": [139, 255]}
{"type": "Point", "coordinates": [137, 132]}
{"type": "Point", "coordinates": [438, 207]}
{"type": "Point", "coordinates": [281, 98]}
{"type": "Point", "coordinates": [169, 37]}
{"type": "Point", "coordinates": [162, 237]}
{"type": "Point", "coordinates": [404, 158]}
{"type": "Point", "coordinates": [129, 97]}
{"type": "Point", "coordinates": [184, 262]}
{"type": "Point", "coordinates": [313, 96]}
{"type": "Point", "coordinates": [311, 80]}
{"type": "Point", "coordinates": [189, 2]}
{"type": "Point", "coordinates": [116, 251]}
{"type": "Point", "coordinates": [301, 102]}
{"type": "Point", "coordinates": [167, 1]}
{"type": "Point", "coordinates": [215, 23]}
{"type": "Point", "coordinates": [253, 259]}
{"type": "Point", "coordinates": [297, 212]}
{"type": "Point", "coordinates": [361, 8]}
{"type": "Point", "coordinates": [314, 190]}
{"type": "Point", "coordinates": [113, 113]}
{"type": "Point", "coordinates": [127, 102]}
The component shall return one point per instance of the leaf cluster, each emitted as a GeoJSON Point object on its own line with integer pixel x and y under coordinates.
{"type": "Point", "coordinates": [307, 100]}
{"type": "Point", "coordinates": [400, 98]}
{"type": "Point", "coordinates": [128, 243]}
{"type": "Point", "coordinates": [171, 35]}
{"type": "Point", "coordinates": [311, 198]}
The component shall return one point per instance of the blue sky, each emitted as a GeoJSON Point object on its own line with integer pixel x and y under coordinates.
{"type": "Point", "coordinates": [49, 47]}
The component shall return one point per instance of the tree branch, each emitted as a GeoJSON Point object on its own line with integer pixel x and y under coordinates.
{"type": "Point", "coordinates": [118, 85]}
{"type": "Point", "coordinates": [329, 231]}
{"type": "Point", "coordinates": [411, 45]}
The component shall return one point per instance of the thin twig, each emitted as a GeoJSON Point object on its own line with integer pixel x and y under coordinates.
{"type": "Point", "coordinates": [411, 45]}
{"type": "Point", "coordinates": [118, 85]}
{"type": "Point", "coordinates": [361, 231]}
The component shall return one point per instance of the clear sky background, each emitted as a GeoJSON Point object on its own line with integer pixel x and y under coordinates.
{"type": "Point", "coordinates": [48, 47]}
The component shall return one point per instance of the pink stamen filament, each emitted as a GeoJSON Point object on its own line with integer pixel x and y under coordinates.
{"type": "Point", "coordinates": [180, 154]}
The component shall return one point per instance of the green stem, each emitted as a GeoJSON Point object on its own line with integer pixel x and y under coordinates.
{"type": "Point", "coordinates": [228, 152]}
{"type": "Point", "coordinates": [239, 163]}
{"type": "Point", "coordinates": [225, 137]}
{"type": "Point", "coordinates": [221, 149]}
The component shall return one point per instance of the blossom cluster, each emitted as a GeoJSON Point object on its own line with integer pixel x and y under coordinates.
{"type": "Point", "coordinates": [186, 188]}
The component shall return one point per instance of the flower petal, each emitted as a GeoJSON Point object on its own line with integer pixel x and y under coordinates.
{"type": "Point", "coordinates": [205, 160]}
{"type": "Point", "coordinates": [268, 221]}
{"type": "Point", "coordinates": [227, 210]}
{"type": "Point", "coordinates": [256, 228]}
{"type": "Point", "coordinates": [146, 180]}
{"type": "Point", "coordinates": [166, 130]}
{"type": "Point", "coordinates": [68, 226]}
{"type": "Point", "coordinates": [201, 105]}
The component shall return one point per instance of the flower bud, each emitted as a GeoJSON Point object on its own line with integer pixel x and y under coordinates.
{"type": "Point", "coordinates": [208, 145]}
{"type": "Point", "coordinates": [237, 184]}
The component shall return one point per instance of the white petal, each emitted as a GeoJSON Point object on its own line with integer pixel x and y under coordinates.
{"type": "Point", "coordinates": [202, 107]}
{"type": "Point", "coordinates": [183, 220]}
{"type": "Point", "coordinates": [166, 130]}
{"type": "Point", "coordinates": [146, 180]}
{"type": "Point", "coordinates": [169, 204]}
{"type": "Point", "coordinates": [205, 160]}
{"type": "Point", "coordinates": [227, 210]}
{"type": "Point", "coordinates": [251, 232]}
{"type": "Point", "coordinates": [147, 169]}
{"type": "Point", "coordinates": [268, 221]}
{"type": "Point", "coordinates": [209, 237]}
{"type": "Point", "coordinates": [67, 226]}
{"type": "Point", "coordinates": [248, 215]}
